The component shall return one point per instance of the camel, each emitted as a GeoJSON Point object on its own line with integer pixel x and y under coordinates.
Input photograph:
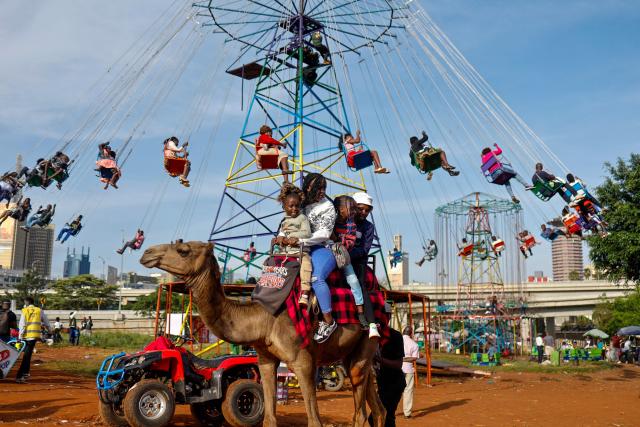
{"type": "Point", "coordinates": [273, 337]}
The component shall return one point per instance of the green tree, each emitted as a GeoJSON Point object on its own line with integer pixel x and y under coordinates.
{"type": "Point", "coordinates": [617, 256]}
{"type": "Point", "coordinates": [146, 304]}
{"type": "Point", "coordinates": [574, 275]}
{"type": "Point", "coordinates": [31, 285]}
{"type": "Point", "coordinates": [621, 312]}
{"type": "Point", "coordinates": [582, 323]}
{"type": "Point", "coordinates": [82, 292]}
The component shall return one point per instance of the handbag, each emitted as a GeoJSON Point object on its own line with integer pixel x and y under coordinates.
{"type": "Point", "coordinates": [276, 281]}
{"type": "Point", "coordinates": [341, 255]}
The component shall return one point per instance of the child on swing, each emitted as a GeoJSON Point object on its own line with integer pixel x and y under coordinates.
{"type": "Point", "coordinates": [295, 225]}
{"type": "Point", "coordinates": [345, 233]}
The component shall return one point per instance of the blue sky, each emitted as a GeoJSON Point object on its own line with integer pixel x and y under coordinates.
{"type": "Point", "coordinates": [569, 69]}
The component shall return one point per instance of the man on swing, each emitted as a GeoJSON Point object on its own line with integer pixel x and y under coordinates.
{"type": "Point", "coordinates": [423, 151]}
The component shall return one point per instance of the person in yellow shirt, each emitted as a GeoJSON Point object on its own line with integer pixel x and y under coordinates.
{"type": "Point", "coordinates": [30, 326]}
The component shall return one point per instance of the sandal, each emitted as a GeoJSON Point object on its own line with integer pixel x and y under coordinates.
{"type": "Point", "coordinates": [381, 170]}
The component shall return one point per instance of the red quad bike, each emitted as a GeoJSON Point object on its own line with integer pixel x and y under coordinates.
{"type": "Point", "coordinates": [142, 389]}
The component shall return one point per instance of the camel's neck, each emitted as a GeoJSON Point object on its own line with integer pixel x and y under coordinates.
{"type": "Point", "coordinates": [227, 319]}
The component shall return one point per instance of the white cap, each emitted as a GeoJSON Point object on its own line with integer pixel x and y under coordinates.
{"type": "Point", "coordinates": [362, 198]}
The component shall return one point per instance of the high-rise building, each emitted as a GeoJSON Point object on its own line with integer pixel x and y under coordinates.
{"type": "Point", "coordinates": [112, 275]}
{"type": "Point", "coordinates": [20, 250]}
{"type": "Point", "coordinates": [398, 275]}
{"type": "Point", "coordinates": [76, 265]}
{"type": "Point", "coordinates": [566, 257]}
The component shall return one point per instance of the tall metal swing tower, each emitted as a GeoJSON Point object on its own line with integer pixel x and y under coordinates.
{"type": "Point", "coordinates": [297, 44]}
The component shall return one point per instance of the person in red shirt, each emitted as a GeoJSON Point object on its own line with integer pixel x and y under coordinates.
{"type": "Point", "coordinates": [266, 144]}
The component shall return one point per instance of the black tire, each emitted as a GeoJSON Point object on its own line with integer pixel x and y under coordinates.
{"type": "Point", "coordinates": [111, 415]}
{"type": "Point", "coordinates": [334, 380]}
{"type": "Point", "coordinates": [243, 404]}
{"type": "Point", "coordinates": [149, 403]}
{"type": "Point", "coordinates": [209, 414]}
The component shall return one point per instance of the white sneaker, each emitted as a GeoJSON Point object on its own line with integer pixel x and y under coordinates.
{"type": "Point", "coordinates": [319, 333]}
{"type": "Point", "coordinates": [324, 333]}
{"type": "Point", "coordinates": [373, 331]}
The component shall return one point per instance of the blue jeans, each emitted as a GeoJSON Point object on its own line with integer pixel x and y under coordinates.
{"type": "Point", "coordinates": [354, 283]}
{"type": "Point", "coordinates": [34, 220]}
{"type": "Point", "coordinates": [66, 232]}
{"type": "Point", "coordinates": [323, 263]}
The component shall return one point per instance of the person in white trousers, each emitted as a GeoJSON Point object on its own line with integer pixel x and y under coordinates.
{"type": "Point", "coordinates": [411, 354]}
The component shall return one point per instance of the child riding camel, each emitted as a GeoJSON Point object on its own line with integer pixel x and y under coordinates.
{"type": "Point", "coordinates": [295, 225]}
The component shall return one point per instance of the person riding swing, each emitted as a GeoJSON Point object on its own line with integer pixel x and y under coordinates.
{"type": "Point", "coordinates": [353, 146]}
{"type": "Point", "coordinates": [266, 145]}
{"type": "Point", "coordinates": [173, 160]}
{"type": "Point", "coordinates": [427, 158]}
{"type": "Point", "coordinates": [107, 166]}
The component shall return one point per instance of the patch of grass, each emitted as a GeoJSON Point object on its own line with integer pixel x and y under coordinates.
{"type": "Point", "coordinates": [522, 364]}
{"type": "Point", "coordinates": [84, 368]}
{"type": "Point", "coordinates": [122, 341]}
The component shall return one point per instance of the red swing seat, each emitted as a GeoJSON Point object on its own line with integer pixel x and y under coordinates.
{"type": "Point", "coordinates": [175, 166]}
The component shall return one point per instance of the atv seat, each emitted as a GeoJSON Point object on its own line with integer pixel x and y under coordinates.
{"type": "Point", "coordinates": [214, 363]}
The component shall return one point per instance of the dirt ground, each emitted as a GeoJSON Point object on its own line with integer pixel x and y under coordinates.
{"type": "Point", "coordinates": [605, 398]}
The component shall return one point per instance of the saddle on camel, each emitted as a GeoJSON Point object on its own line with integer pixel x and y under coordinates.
{"type": "Point", "coordinates": [283, 334]}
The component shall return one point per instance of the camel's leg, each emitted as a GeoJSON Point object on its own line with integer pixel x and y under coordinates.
{"type": "Point", "coordinates": [305, 368]}
{"type": "Point", "coordinates": [268, 366]}
{"type": "Point", "coordinates": [378, 411]}
{"type": "Point", "coordinates": [359, 366]}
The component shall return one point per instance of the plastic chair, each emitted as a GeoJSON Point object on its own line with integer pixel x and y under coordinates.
{"type": "Point", "coordinates": [432, 160]}
{"type": "Point", "coordinates": [546, 190]}
{"type": "Point", "coordinates": [361, 159]}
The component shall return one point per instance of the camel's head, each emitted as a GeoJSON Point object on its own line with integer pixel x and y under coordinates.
{"type": "Point", "coordinates": [184, 259]}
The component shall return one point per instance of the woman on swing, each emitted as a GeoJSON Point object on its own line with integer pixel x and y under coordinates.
{"type": "Point", "coordinates": [498, 168]}
{"type": "Point", "coordinates": [266, 144]}
{"type": "Point", "coordinates": [107, 161]}
{"type": "Point", "coordinates": [352, 147]}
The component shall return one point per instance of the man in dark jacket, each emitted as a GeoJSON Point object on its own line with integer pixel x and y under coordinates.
{"type": "Point", "coordinates": [8, 321]}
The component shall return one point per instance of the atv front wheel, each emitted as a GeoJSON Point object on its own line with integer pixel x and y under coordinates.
{"type": "Point", "coordinates": [243, 405]}
{"type": "Point", "coordinates": [112, 415]}
{"type": "Point", "coordinates": [209, 413]}
{"type": "Point", "coordinates": [149, 403]}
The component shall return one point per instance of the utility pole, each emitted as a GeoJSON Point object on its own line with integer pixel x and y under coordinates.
{"type": "Point", "coordinates": [121, 282]}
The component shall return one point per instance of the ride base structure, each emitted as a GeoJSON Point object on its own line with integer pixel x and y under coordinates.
{"type": "Point", "coordinates": [296, 94]}
{"type": "Point", "coordinates": [485, 315]}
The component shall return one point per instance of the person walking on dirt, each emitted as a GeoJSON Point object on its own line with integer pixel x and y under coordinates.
{"type": "Point", "coordinates": [8, 321]}
{"type": "Point", "coordinates": [540, 348]}
{"type": "Point", "coordinates": [411, 354]}
{"type": "Point", "coordinates": [89, 327]}
{"type": "Point", "coordinates": [32, 321]}
{"type": "Point", "coordinates": [57, 331]}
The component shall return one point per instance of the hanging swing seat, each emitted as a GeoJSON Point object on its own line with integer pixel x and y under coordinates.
{"type": "Point", "coordinates": [105, 174]}
{"type": "Point", "coordinates": [546, 190]}
{"type": "Point", "coordinates": [74, 232]}
{"type": "Point", "coordinates": [500, 174]}
{"type": "Point", "coordinates": [267, 161]}
{"type": "Point", "coordinates": [175, 166]}
{"type": "Point", "coordinates": [37, 181]}
{"type": "Point", "coordinates": [430, 160]}
{"type": "Point", "coordinates": [466, 250]}
{"type": "Point", "coordinates": [529, 241]}
{"type": "Point", "coordinates": [359, 158]}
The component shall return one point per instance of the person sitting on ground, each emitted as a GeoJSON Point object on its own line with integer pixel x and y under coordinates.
{"type": "Point", "coordinates": [267, 145]}
{"type": "Point", "coordinates": [107, 161]}
{"type": "Point", "coordinates": [498, 168]}
{"type": "Point", "coordinates": [352, 146]}
{"type": "Point", "coordinates": [69, 229]}
{"type": "Point", "coordinates": [171, 151]}
{"type": "Point", "coordinates": [497, 245]}
{"type": "Point", "coordinates": [430, 253]}
{"type": "Point", "coordinates": [421, 151]}
{"type": "Point", "coordinates": [134, 244]}
{"type": "Point", "coordinates": [295, 225]}
{"type": "Point", "coordinates": [19, 212]}
{"type": "Point", "coordinates": [316, 42]}
{"type": "Point", "coordinates": [528, 242]}
{"type": "Point", "coordinates": [546, 178]}
{"type": "Point", "coordinates": [344, 232]}
{"type": "Point", "coordinates": [9, 186]}
{"type": "Point", "coordinates": [41, 218]}
{"type": "Point", "coordinates": [250, 253]}
{"type": "Point", "coordinates": [322, 217]}
{"type": "Point", "coordinates": [551, 233]}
